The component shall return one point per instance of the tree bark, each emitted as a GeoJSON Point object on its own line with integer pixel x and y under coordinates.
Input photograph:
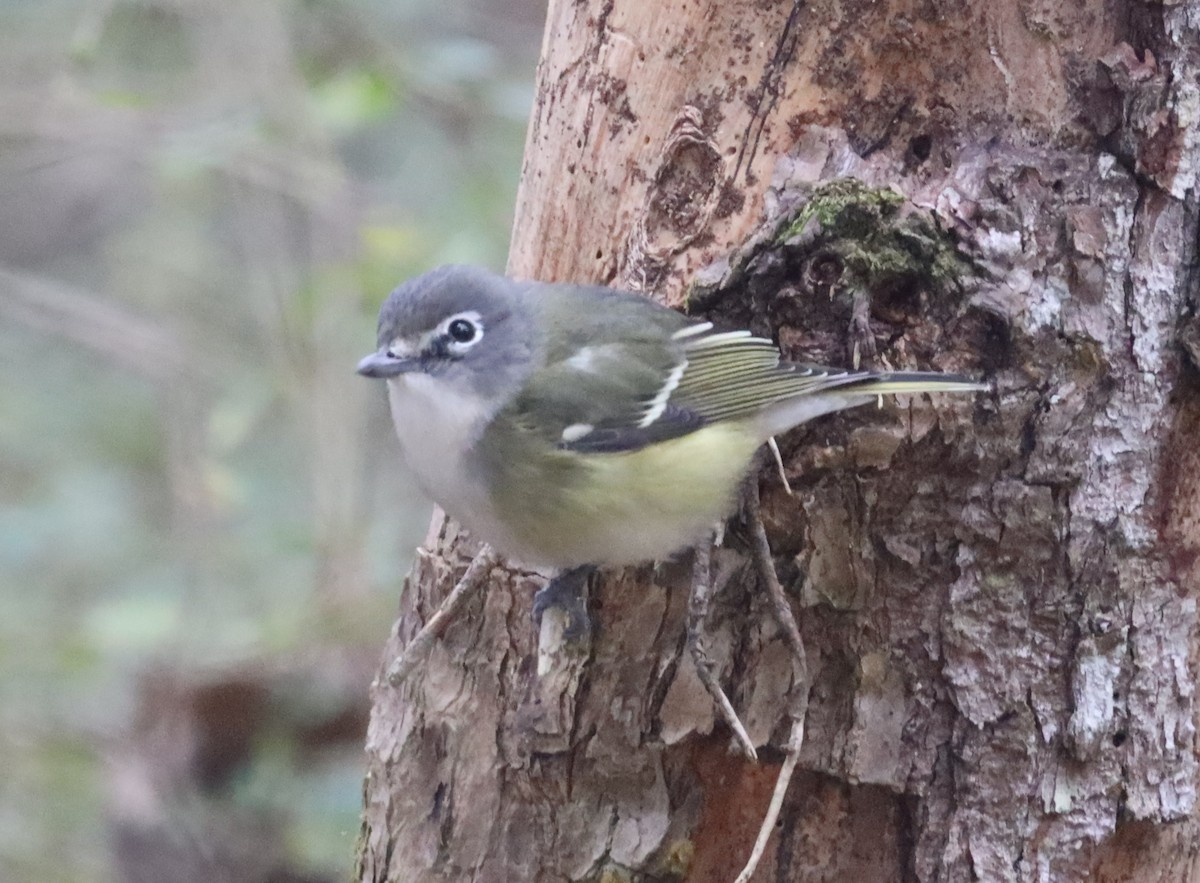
{"type": "Point", "coordinates": [997, 595]}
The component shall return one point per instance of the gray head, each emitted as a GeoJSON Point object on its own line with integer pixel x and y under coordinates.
{"type": "Point", "coordinates": [463, 325]}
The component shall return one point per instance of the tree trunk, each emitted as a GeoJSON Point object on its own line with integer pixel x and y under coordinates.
{"type": "Point", "coordinates": [997, 594]}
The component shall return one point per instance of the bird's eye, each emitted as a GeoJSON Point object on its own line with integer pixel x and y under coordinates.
{"type": "Point", "coordinates": [462, 330]}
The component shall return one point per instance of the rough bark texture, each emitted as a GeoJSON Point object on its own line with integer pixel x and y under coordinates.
{"type": "Point", "coordinates": [997, 593]}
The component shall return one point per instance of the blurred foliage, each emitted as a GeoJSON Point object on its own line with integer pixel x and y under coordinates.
{"type": "Point", "coordinates": [203, 205]}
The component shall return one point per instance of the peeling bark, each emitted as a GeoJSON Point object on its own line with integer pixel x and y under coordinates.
{"type": "Point", "coordinates": [997, 595]}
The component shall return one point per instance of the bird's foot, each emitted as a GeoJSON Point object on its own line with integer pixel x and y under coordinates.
{"type": "Point", "coordinates": [567, 593]}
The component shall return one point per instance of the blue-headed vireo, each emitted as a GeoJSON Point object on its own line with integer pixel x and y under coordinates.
{"type": "Point", "coordinates": [573, 425]}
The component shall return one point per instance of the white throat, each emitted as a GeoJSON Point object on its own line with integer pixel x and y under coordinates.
{"type": "Point", "coordinates": [437, 425]}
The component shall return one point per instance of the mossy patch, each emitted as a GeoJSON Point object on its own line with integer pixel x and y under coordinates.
{"type": "Point", "coordinates": [853, 237]}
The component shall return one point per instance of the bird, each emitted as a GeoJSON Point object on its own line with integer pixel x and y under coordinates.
{"type": "Point", "coordinates": [581, 426]}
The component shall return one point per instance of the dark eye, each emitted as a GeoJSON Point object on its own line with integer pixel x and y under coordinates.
{"type": "Point", "coordinates": [462, 330]}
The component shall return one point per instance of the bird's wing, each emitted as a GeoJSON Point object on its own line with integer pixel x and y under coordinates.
{"type": "Point", "coordinates": [734, 375]}
{"type": "Point", "coordinates": [605, 394]}
{"type": "Point", "coordinates": [621, 395]}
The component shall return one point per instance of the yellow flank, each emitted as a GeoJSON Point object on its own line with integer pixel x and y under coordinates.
{"type": "Point", "coordinates": [630, 506]}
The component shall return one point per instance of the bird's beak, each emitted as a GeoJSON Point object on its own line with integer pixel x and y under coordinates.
{"type": "Point", "coordinates": [383, 364]}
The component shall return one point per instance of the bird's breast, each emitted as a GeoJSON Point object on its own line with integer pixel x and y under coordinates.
{"type": "Point", "coordinates": [565, 509]}
{"type": "Point", "coordinates": [436, 427]}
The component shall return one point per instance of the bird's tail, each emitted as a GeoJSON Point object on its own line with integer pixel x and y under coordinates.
{"type": "Point", "coordinates": [836, 391]}
{"type": "Point", "coordinates": [909, 382]}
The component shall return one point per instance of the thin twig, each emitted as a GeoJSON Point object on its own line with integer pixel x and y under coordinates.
{"type": "Point", "coordinates": [799, 712]}
{"type": "Point", "coordinates": [773, 447]}
{"type": "Point", "coordinates": [766, 571]}
{"type": "Point", "coordinates": [418, 648]}
{"type": "Point", "coordinates": [860, 330]}
{"type": "Point", "coordinates": [697, 613]}
{"type": "Point", "coordinates": [795, 740]}
{"type": "Point", "coordinates": [115, 331]}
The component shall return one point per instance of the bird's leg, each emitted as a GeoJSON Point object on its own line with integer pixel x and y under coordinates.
{"type": "Point", "coordinates": [567, 593]}
{"type": "Point", "coordinates": [697, 613]}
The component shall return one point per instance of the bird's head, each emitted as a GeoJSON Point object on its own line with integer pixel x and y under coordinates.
{"type": "Point", "coordinates": [463, 326]}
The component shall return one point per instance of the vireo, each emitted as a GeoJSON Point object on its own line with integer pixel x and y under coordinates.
{"type": "Point", "coordinates": [574, 426]}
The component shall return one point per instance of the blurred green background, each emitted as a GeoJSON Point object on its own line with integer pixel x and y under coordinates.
{"type": "Point", "coordinates": [203, 523]}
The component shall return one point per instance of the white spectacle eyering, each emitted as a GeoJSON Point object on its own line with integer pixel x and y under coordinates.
{"type": "Point", "coordinates": [458, 347]}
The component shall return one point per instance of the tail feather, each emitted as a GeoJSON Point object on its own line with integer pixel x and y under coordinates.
{"type": "Point", "coordinates": [735, 375]}
{"type": "Point", "coordinates": [907, 382]}
{"type": "Point", "coordinates": [840, 391]}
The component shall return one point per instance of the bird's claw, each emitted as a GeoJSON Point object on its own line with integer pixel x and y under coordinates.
{"type": "Point", "coordinates": [566, 592]}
